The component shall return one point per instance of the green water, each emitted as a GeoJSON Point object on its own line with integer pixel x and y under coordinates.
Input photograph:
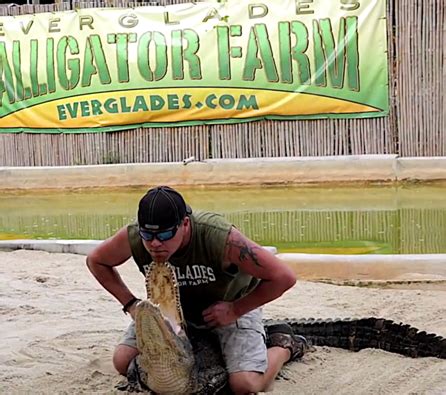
{"type": "Point", "coordinates": [355, 220]}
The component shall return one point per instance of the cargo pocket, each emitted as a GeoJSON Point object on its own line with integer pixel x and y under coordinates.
{"type": "Point", "coordinates": [252, 321]}
{"type": "Point", "coordinates": [243, 344]}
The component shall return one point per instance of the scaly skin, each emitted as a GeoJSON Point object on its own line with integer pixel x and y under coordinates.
{"type": "Point", "coordinates": [166, 357]}
{"type": "Point", "coordinates": [166, 354]}
{"type": "Point", "coordinates": [178, 364]}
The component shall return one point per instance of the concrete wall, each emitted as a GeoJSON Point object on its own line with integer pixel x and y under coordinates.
{"type": "Point", "coordinates": [427, 268]}
{"type": "Point", "coordinates": [259, 171]}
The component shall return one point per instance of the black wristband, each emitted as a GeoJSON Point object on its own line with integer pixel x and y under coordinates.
{"type": "Point", "coordinates": [129, 304]}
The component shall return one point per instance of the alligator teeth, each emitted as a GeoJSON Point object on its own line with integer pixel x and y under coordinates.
{"type": "Point", "coordinates": [162, 288]}
{"type": "Point", "coordinates": [166, 354]}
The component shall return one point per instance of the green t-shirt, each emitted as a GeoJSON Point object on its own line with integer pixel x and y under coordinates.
{"type": "Point", "coordinates": [198, 267]}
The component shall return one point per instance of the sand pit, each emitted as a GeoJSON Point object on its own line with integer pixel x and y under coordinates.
{"type": "Point", "coordinates": [59, 328]}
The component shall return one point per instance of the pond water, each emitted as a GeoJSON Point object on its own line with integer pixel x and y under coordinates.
{"type": "Point", "coordinates": [336, 220]}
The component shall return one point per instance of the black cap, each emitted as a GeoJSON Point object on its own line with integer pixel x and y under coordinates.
{"type": "Point", "coordinates": [162, 208]}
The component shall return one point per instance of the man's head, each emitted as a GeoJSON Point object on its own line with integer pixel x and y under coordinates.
{"type": "Point", "coordinates": [163, 221]}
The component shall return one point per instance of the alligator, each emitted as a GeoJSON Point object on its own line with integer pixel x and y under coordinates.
{"type": "Point", "coordinates": [175, 359]}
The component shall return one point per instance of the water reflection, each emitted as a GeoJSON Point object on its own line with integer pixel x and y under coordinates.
{"type": "Point", "coordinates": [321, 220]}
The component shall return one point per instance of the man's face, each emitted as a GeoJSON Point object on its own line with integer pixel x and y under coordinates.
{"type": "Point", "coordinates": [161, 251]}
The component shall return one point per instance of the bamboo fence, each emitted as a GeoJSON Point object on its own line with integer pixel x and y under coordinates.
{"type": "Point", "coordinates": [414, 128]}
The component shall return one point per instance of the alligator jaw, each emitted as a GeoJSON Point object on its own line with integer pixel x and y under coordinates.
{"type": "Point", "coordinates": [166, 357]}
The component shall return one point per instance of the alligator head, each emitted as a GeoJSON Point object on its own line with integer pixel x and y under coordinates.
{"type": "Point", "coordinates": [166, 354]}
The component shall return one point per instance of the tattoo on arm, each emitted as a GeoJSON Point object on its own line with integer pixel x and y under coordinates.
{"type": "Point", "coordinates": [245, 251]}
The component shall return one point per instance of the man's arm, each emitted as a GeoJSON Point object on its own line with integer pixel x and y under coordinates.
{"type": "Point", "coordinates": [275, 278]}
{"type": "Point", "coordinates": [102, 261]}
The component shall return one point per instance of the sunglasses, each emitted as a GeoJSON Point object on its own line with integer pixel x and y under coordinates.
{"type": "Point", "coordinates": [162, 235]}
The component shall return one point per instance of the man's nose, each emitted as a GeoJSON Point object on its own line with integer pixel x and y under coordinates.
{"type": "Point", "coordinates": [155, 242]}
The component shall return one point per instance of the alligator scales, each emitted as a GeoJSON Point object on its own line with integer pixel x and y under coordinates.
{"type": "Point", "coordinates": [177, 363]}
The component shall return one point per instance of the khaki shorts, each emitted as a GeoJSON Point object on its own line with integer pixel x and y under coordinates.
{"type": "Point", "coordinates": [242, 343]}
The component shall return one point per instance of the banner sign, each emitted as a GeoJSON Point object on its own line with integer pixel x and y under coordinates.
{"type": "Point", "coordinates": [102, 69]}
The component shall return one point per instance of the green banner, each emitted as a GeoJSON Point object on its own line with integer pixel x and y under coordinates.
{"type": "Point", "coordinates": [188, 64]}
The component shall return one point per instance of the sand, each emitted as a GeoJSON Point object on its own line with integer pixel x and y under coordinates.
{"type": "Point", "coordinates": [59, 327]}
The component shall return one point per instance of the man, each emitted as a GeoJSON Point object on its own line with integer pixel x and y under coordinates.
{"type": "Point", "coordinates": [224, 280]}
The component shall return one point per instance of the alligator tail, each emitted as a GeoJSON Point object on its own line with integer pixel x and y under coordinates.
{"type": "Point", "coordinates": [380, 333]}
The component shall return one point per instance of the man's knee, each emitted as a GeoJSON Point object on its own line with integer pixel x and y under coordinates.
{"type": "Point", "coordinates": [122, 356]}
{"type": "Point", "coordinates": [246, 382]}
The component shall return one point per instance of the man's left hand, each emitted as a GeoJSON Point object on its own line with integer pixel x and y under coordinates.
{"type": "Point", "coordinates": [220, 314]}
